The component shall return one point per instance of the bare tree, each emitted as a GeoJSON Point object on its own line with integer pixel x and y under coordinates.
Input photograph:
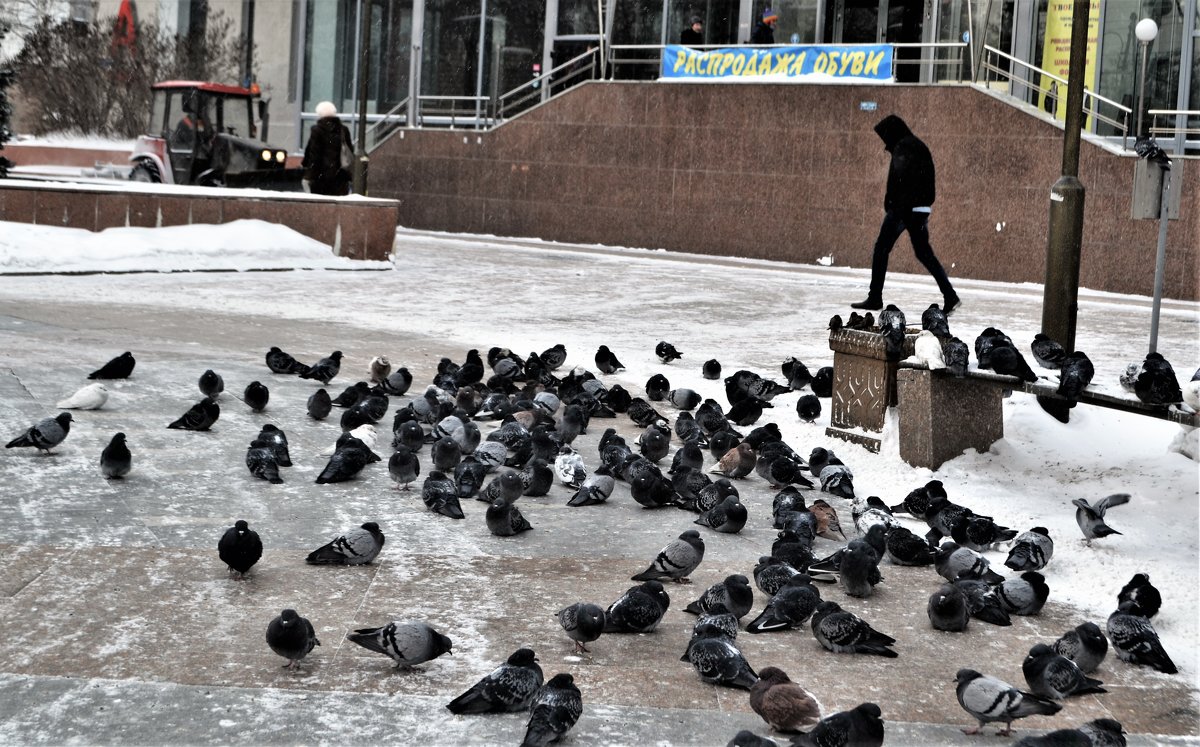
{"type": "Point", "coordinates": [6, 79]}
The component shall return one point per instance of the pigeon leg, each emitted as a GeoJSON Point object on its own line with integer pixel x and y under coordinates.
{"type": "Point", "coordinates": [1007, 731]}
{"type": "Point", "coordinates": [971, 732]}
{"type": "Point", "coordinates": [580, 648]}
{"type": "Point", "coordinates": [683, 580]}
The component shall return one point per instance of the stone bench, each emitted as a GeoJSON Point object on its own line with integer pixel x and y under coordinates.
{"type": "Point", "coordinates": [942, 416]}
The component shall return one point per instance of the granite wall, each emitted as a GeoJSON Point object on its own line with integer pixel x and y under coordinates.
{"type": "Point", "coordinates": [785, 172]}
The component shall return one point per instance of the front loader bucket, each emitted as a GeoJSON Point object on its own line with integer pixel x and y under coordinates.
{"type": "Point", "coordinates": [280, 180]}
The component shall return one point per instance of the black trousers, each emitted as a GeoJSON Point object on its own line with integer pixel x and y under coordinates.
{"type": "Point", "coordinates": [896, 222]}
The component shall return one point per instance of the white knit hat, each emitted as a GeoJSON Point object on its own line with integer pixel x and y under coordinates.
{"type": "Point", "coordinates": [326, 109]}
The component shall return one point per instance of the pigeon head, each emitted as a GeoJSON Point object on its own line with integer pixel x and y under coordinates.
{"type": "Point", "coordinates": [966, 675]}
{"type": "Point", "coordinates": [737, 580]}
{"type": "Point", "coordinates": [118, 438]}
{"type": "Point", "coordinates": [773, 675]}
{"type": "Point", "coordinates": [336, 355]}
{"type": "Point", "coordinates": [441, 645]}
{"type": "Point", "coordinates": [826, 607]}
{"type": "Point", "coordinates": [562, 681]}
{"type": "Point", "coordinates": [708, 630]}
{"type": "Point", "coordinates": [372, 527]}
{"type": "Point", "coordinates": [522, 657]}
{"type": "Point", "coordinates": [869, 710]}
{"type": "Point", "coordinates": [241, 526]}
{"type": "Point", "coordinates": [63, 418]}
{"type": "Point", "coordinates": [1039, 650]}
{"type": "Point", "coordinates": [288, 616]}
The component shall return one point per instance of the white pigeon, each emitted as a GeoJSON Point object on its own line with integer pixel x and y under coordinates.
{"type": "Point", "coordinates": [569, 468]}
{"type": "Point", "coordinates": [365, 433]}
{"type": "Point", "coordinates": [90, 397]}
{"type": "Point", "coordinates": [379, 368]}
{"type": "Point", "coordinates": [1191, 394]}
{"type": "Point", "coordinates": [928, 349]}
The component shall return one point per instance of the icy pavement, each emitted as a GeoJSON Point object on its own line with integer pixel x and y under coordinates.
{"type": "Point", "coordinates": [121, 626]}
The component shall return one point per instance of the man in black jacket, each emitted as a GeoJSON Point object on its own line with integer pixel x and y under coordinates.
{"type": "Point", "coordinates": [693, 36]}
{"type": "Point", "coordinates": [764, 30]}
{"type": "Point", "coordinates": [908, 202]}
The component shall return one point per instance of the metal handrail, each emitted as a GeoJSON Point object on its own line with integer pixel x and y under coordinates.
{"type": "Point", "coordinates": [376, 130]}
{"type": "Point", "coordinates": [451, 112]}
{"type": "Point", "coordinates": [989, 65]}
{"type": "Point", "coordinates": [542, 86]}
{"type": "Point", "coordinates": [1171, 131]}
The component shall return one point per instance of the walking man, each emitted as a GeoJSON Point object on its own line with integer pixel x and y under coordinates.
{"type": "Point", "coordinates": [907, 204]}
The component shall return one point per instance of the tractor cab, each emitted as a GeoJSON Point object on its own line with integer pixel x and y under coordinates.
{"type": "Point", "coordinates": [210, 134]}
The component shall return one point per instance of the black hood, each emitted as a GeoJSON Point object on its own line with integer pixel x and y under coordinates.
{"type": "Point", "coordinates": [891, 130]}
{"type": "Point", "coordinates": [328, 125]}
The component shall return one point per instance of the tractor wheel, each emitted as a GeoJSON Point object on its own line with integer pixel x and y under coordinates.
{"type": "Point", "coordinates": [145, 171]}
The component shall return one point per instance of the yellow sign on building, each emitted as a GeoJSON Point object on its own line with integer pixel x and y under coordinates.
{"type": "Point", "coordinates": [1056, 54]}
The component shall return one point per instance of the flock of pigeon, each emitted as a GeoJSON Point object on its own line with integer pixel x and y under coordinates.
{"type": "Point", "coordinates": [533, 415]}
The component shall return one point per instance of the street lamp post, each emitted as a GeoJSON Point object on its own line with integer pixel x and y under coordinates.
{"type": "Point", "coordinates": [1145, 31]}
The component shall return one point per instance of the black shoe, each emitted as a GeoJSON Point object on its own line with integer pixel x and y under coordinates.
{"type": "Point", "coordinates": [872, 304]}
{"type": "Point", "coordinates": [949, 304]}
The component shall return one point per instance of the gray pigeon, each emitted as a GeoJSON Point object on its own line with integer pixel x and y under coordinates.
{"type": "Point", "coordinates": [506, 486]}
{"type": "Point", "coordinates": [789, 608]}
{"type": "Point", "coordinates": [1047, 352]}
{"type": "Point", "coordinates": [504, 519]}
{"type": "Point", "coordinates": [278, 441]}
{"type": "Point", "coordinates": [1101, 732]}
{"type": "Point", "coordinates": [355, 547]}
{"type": "Point", "coordinates": [1091, 518]}
{"type": "Point", "coordinates": [292, 637]}
{"type": "Point", "coordinates": [1139, 597]}
{"type": "Point", "coordinates": [404, 467]}
{"type": "Point", "coordinates": [555, 709]}
{"type": "Point", "coordinates": [325, 369]}
{"type": "Point", "coordinates": [1085, 645]}
{"type": "Point", "coordinates": [747, 738]}
{"type": "Point", "coordinates": [349, 457]}
{"type": "Point", "coordinates": [953, 560]}
{"type": "Point", "coordinates": [844, 632]}
{"type": "Point", "coordinates": [261, 461]}
{"type": "Point", "coordinates": [948, 609]}
{"type": "Point", "coordinates": [1031, 550]}
{"type": "Point", "coordinates": [319, 405]}
{"type": "Point", "coordinates": [728, 517]}
{"type": "Point", "coordinates": [116, 460]}
{"type": "Point", "coordinates": [440, 495]}
{"type": "Point", "coordinates": [639, 610]}
{"type": "Point", "coordinates": [684, 399]}
{"type": "Point", "coordinates": [677, 560]}
{"type": "Point", "coordinates": [408, 643]}
{"type": "Point", "coordinates": [1024, 595]}
{"type": "Point", "coordinates": [199, 417]}
{"type": "Point", "coordinates": [508, 688]}
{"type": "Point", "coordinates": [211, 384]}
{"type": "Point", "coordinates": [860, 727]}
{"type": "Point", "coordinates": [717, 660]}
{"type": "Point", "coordinates": [734, 593]}
{"type": "Point", "coordinates": [988, 699]}
{"type": "Point", "coordinates": [594, 490]}
{"type": "Point", "coordinates": [583, 623]}
{"type": "Point", "coordinates": [1055, 676]}
{"type": "Point", "coordinates": [48, 433]}
{"type": "Point", "coordinates": [1135, 640]}
{"type": "Point", "coordinates": [859, 569]}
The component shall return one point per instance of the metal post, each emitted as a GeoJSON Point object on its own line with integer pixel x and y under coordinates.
{"type": "Point", "coordinates": [364, 75]}
{"type": "Point", "coordinates": [1160, 259]}
{"type": "Point", "coordinates": [600, 34]}
{"type": "Point", "coordinates": [417, 44]}
{"type": "Point", "coordinates": [1060, 298]}
{"type": "Point", "coordinates": [1137, 133]}
{"type": "Point", "coordinates": [479, 62]}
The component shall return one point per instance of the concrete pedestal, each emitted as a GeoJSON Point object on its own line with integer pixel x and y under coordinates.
{"type": "Point", "coordinates": [941, 416]}
{"type": "Point", "coordinates": [864, 385]}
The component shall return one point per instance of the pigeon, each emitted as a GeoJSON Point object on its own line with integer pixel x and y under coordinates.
{"type": "Point", "coordinates": [281, 363]}
{"type": "Point", "coordinates": [1104, 732]}
{"type": "Point", "coordinates": [256, 396]}
{"type": "Point", "coordinates": [504, 519]}
{"type": "Point", "coordinates": [89, 397]}
{"type": "Point", "coordinates": [721, 618]}
{"type": "Point", "coordinates": [48, 433]}
{"type": "Point", "coordinates": [737, 462]}
{"type": "Point", "coordinates": [745, 384]}
{"type": "Point", "coordinates": [445, 454]}
{"type": "Point", "coordinates": [892, 329]}
{"type": "Point", "coordinates": [1134, 640]}
{"type": "Point", "coordinates": [410, 435]}
{"type": "Point", "coordinates": [1008, 361]}
{"type": "Point", "coordinates": [261, 461]}
{"type": "Point", "coordinates": [1085, 645]}
{"type": "Point", "coordinates": [953, 561]}
{"type": "Point", "coordinates": [1156, 383]}
{"type": "Point", "coordinates": [638, 610]}
{"type": "Point", "coordinates": [351, 395]}
{"type": "Point", "coordinates": [828, 525]}
{"type": "Point", "coordinates": [325, 369]}
{"type": "Point", "coordinates": [115, 460]}
{"type": "Point", "coordinates": [858, 571]}
{"type": "Point", "coordinates": [983, 602]}
{"type": "Point", "coordinates": [790, 607]}
{"type": "Point", "coordinates": [980, 533]}
{"type": "Point", "coordinates": [772, 574]}
{"type": "Point", "coordinates": [404, 467]}
{"type": "Point", "coordinates": [837, 479]}
{"type": "Point", "coordinates": [734, 594]}
{"type": "Point", "coordinates": [272, 436]}
{"type": "Point", "coordinates": [797, 374]}
{"type": "Point", "coordinates": [655, 443]}
{"type": "Point", "coordinates": [717, 660]}
{"type": "Point", "coordinates": [860, 727]}
{"type": "Point", "coordinates": [869, 511]}
{"type": "Point", "coordinates": [200, 417]}
{"type": "Point", "coordinates": [927, 349]}
{"type": "Point", "coordinates": [747, 738]}
{"type": "Point", "coordinates": [906, 548]}
{"type": "Point", "coordinates": [934, 320]}
{"type": "Point", "coordinates": [808, 407]}
{"type": "Point", "coordinates": [956, 355]}
{"type": "Point", "coordinates": [606, 361]}
{"type": "Point", "coordinates": [918, 500]}
{"type": "Point", "coordinates": [440, 495]}
{"type": "Point", "coordinates": [397, 382]}
{"type": "Point", "coordinates": [728, 517]}
{"type": "Point", "coordinates": [555, 709]}
{"type": "Point", "coordinates": [569, 468]}
{"type": "Point", "coordinates": [348, 459]}
{"type": "Point", "coordinates": [595, 490]}
{"type": "Point", "coordinates": [988, 699]}
{"type": "Point", "coordinates": [1091, 518]}
{"type": "Point", "coordinates": [1053, 676]}
{"type": "Point", "coordinates": [666, 352]}
{"type": "Point", "coordinates": [1031, 551]}
{"type": "Point", "coordinates": [711, 369]}
{"type": "Point", "coordinates": [747, 411]}
{"type": "Point", "coordinates": [553, 358]}
{"type": "Point", "coordinates": [508, 688]}
{"type": "Point", "coordinates": [211, 384]}
{"type": "Point", "coordinates": [379, 369]}
{"type": "Point", "coordinates": [642, 412]}
{"type": "Point", "coordinates": [677, 560]}
{"type": "Point", "coordinates": [987, 341]}
{"type": "Point", "coordinates": [783, 704]}
{"type": "Point", "coordinates": [407, 642]}
{"type": "Point", "coordinates": [1101, 732]}
{"type": "Point", "coordinates": [1149, 149]}
{"type": "Point", "coordinates": [319, 405]}
{"type": "Point", "coordinates": [822, 383]}
{"type": "Point", "coordinates": [684, 399]}
{"type": "Point", "coordinates": [1047, 352]}
{"type": "Point", "coordinates": [947, 609]}
{"type": "Point", "coordinates": [120, 367]}
{"type": "Point", "coordinates": [583, 623]}
{"type": "Point", "coordinates": [1077, 372]}
{"type": "Point", "coordinates": [292, 637]}
{"type": "Point", "coordinates": [1139, 597]}
{"type": "Point", "coordinates": [506, 486]}
{"type": "Point", "coordinates": [355, 547]}
{"type": "Point", "coordinates": [845, 633]}
{"type": "Point", "coordinates": [239, 548]}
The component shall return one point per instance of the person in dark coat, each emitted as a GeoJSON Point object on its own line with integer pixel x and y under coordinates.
{"type": "Point", "coordinates": [907, 205]}
{"type": "Point", "coordinates": [693, 35]}
{"type": "Point", "coordinates": [323, 168]}
{"type": "Point", "coordinates": [764, 30]}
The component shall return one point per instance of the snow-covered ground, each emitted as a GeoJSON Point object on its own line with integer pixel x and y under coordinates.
{"type": "Point", "coordinates": [478, 292]}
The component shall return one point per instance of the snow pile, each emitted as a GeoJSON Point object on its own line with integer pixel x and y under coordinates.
{"type": "Point", "coordinates": [239, 246]}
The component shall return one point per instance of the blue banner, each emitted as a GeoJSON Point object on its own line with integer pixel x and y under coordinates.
{"type": "Point", "coordinates": [851, 61]}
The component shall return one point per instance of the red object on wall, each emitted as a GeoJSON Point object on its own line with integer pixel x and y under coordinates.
{"type": "Point", "coordinates": [125, 28]}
